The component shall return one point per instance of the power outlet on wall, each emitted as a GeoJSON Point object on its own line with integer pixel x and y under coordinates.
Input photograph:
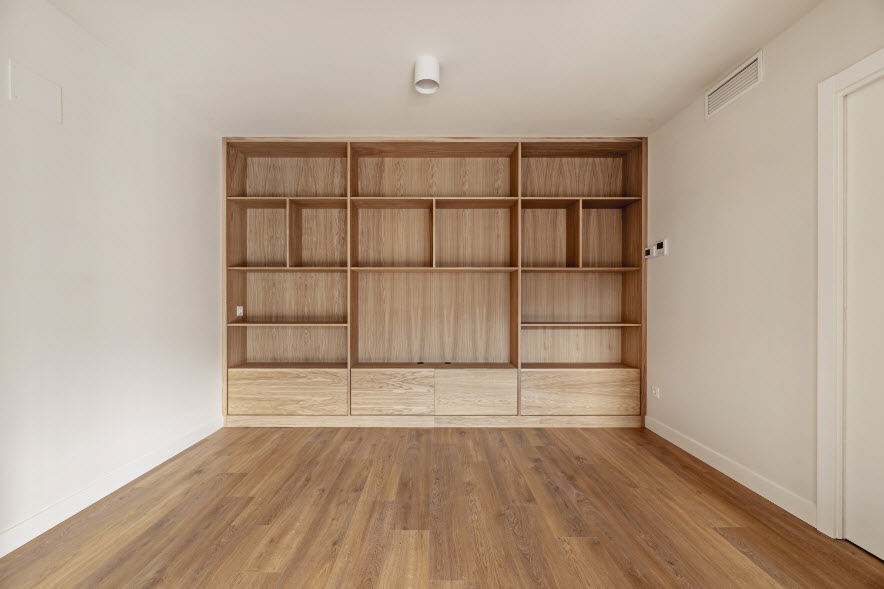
{"type": "Point", "coordinates": [239, 311]}
{"type": "Point", "coordinates": [655, 392]}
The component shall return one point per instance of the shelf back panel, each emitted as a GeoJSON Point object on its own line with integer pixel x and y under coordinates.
{"type": "Point", "coordinates": [434, 317]}
{"type": "Point", "coordinates": [442, 177]}
{"type": "Point", "coordinates": [394, 237]}
{"type": "Point", "coordinates": [571, 297]}
{"type": "Point", "coordinates": [475, 237]}
{"type": "Point", "coordinates": [572, 177]}
{"type": "Point", "coordinates": [269, 297]}
{"type": "Point", "coordinates": [293, 344]}
{"type": "Point", "coordinates": [571, 345]}
{"type": "Point", "coordinates": [301, 177]}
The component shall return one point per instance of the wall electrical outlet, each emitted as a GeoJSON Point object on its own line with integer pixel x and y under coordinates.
{"type": "Point", "coordinates": [650, 252]}
{"type": "Point", "coordinates": [239, 311]}
{"type": "Point", "coordinates": [655, 392]}
{"type": "Point", "coordinates": [661, 248]}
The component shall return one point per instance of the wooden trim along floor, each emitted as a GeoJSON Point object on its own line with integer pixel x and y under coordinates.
{"type": "Point", "coordinates": [436, 508]}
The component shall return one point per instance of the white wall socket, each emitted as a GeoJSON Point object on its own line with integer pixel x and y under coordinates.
{"type": "Point", "coordinates": [655, 392]}
{"type": "Point", "coordinates": [239, 311]}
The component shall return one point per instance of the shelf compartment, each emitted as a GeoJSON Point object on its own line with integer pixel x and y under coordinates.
{"type": "Point", "coordinates": [256, 233]}
{"type": "Point", "coordinates": [551, 233]}
{"type": "Point", "coordinates": [287, 297]}
{"type": "Point", "coordinates": [611, 237]}
{"type": "Point", "coordinates": [291, 169]}
{"type": "Point", "coordinates": [284, 346]}
{"type": "Point", "coordinates": [574, 365]}
{"type": "Point", "coordinates": [287, 324]}
{"type": "Point", "coordinates": [476, 233]}
{"type": "Point", "coordinates": [401, 169]}
{"type": "Point", "coordinates": [434, 317]}
{"type": "Point", "coordinates": [317, 233]}
{"type": "Point", "coordinates": [392, 233]}
{"type": "Point", "coordinates": [284, 365]}
{"type": "Point", "coordinates": [571, 345]}
{"type": "Point", "coordinates": [479, 269]}
{"type": "Point", "coordinates": [284, 269]}
{"type": "Point", "coordinates": [620, 270]}
{"type": "Point", "coordinates": [435, 365]}
{"type": "Point", "coordinates": [573, 297]}
{"type": "Point", "coordinates": [577, 169]}
{"type": "Point", "coordinates": [536, 324]}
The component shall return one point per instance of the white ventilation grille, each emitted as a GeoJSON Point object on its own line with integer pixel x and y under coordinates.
{"type": "Point", "coordinates": [734, 85]}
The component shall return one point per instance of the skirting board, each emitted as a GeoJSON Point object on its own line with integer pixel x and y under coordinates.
{"type": "Point", "coordinates": [433, 421]}
{"type": "Point", "coordinates": [773, 492]}
{"type": "Point", "coordinates": [25, 531]}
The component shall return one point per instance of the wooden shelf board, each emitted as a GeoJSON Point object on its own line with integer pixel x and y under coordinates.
{"type": "Point", "coordinates": [288, 269]}
{"type": "Point", "coordinates": [287, 365]}
{"type": "Point", "coordinates": [605, 202]}
{"type": "Point", "coordinates": [528, 324]}
{"type": "Point", "coordinates": [437, 269]}
{"type": "Point", "coordinates": [613, 269]}
{"type": "Point", "coordinates": [255, 199]}
{"type": "Point", "coordinates": [428, 365]}
{"type": "Point", "coordinates": [574, 366]}
{"type": "Point", "coordinates": [287, 324]}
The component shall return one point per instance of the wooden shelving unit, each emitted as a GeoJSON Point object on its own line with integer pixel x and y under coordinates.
{"type": "Point", "coordinates": [393, 281]}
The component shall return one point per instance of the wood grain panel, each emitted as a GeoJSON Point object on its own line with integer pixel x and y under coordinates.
{"type": "Point", "coordinates": [573, 297]}
{"type": "Point", "coordinates": [476, 392]}
{"type": "Point", "coordinates": [301, 177]}
{"type": "Point", "coordinates": [443, 177]}
{"type": "Point", "coordinates": [314, 391]}
{"type": "Point", "coordinates": [603, 238]}
{"type": "Point", "coordinates": [570, 344]}
{"type": "Point", "coordinates": [394, 237]}
{"type": "Point", "coordinates": [581, 392]}
{"type": "Point", "coordinates": [256, 235]}
{"type": "Point", "coordinates": [544, 243]}
{"type": "Point", "coordinates": [570, 177]}
{"type": "Point", "coordinates": [294, 297]}
{"type": "Point", "coordinates": [474, 237]}
{"type": "Point", "coordinates": [294, 344]}
{"type": "Point", "coordinates": [392, 392]}
{"type": "Point", "coordinates": [433, 317]}
{"type": "Point", "coordinates": [318, 235]}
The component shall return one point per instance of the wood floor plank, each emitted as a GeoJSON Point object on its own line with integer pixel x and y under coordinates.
{"type": "Point", "coordinates": [448, 508]}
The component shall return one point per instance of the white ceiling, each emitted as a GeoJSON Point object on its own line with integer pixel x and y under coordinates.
{"type": "Point", "coordinates": [509, 67]}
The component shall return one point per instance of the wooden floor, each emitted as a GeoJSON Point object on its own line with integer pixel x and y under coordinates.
{"type": "Point", "coordinates": [444, 508]}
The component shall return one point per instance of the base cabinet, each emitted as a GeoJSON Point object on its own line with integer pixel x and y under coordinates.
{"type": "Point", "coordinates": [289, 391]}
{"type": "Point", "coordinates": [392, 392]}
{"type": "Point", "coordinates": [477, 392]}
{"type": "Point", "coordinates": [581, 392]}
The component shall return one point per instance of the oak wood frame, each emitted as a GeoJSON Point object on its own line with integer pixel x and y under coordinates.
{"type": "Point", "coordinates": [630, 199]}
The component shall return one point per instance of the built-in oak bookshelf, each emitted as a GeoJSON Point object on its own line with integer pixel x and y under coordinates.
{"type": "Point", "coordinates": [434, 282]}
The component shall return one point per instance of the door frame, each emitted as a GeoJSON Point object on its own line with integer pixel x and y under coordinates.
{"type": "Point", "coordinates": [831, 237]}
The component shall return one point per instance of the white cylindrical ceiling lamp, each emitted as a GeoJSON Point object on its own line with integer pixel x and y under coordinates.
{"type": "Point", "coordinates": [426, 74]}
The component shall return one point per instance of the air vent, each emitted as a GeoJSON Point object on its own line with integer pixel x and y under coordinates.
{"type": "Point", "coordinates": [734, 85]}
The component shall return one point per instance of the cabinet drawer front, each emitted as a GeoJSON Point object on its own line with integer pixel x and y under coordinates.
{"type": "Point", "coordinates": [613, 391]}
{"type": "Point", "coordinates": [391, 392]}
{"type": "Point", "coordinates": [476, 392]}
{"type": "Point", "coordinates": [290, 391]}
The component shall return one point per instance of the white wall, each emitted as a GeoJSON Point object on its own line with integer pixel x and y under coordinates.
{"type": "Point", "coordinates": [732, 310]}
{"type": "Point", "coordinates": [109, 278]}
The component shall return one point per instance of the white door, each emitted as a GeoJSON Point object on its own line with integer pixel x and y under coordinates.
{"type": "Point", "coordinates": [864, 326]}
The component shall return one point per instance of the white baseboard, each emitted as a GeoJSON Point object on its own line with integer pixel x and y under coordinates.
{"type": "Point", "coordinates": [773, 492]}
{"type": "Point", "coordinates": [27, 530]}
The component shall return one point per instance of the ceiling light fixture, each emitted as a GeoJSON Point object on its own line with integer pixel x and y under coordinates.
{"type": "Point", "coordinates": [426, 74]}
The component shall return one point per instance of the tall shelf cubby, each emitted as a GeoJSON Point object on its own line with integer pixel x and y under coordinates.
{"type": "Point", "coordinates": [434, 281]}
